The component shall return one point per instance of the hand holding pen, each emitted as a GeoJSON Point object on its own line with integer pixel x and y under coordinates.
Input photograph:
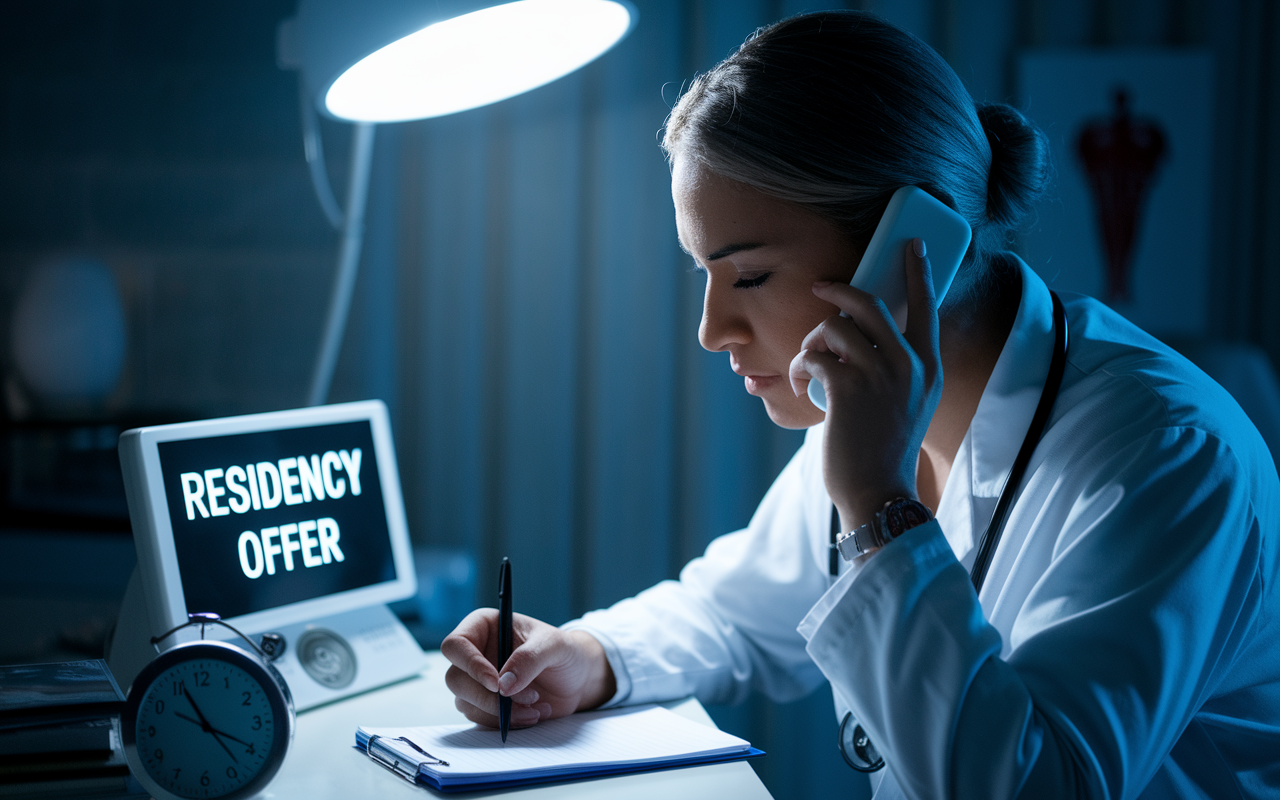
{"type": "Point", "coordinates": [551, 672]}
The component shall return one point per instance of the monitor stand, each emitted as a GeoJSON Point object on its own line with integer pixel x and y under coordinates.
{"type": "Point", "coordinates": [324, 659]}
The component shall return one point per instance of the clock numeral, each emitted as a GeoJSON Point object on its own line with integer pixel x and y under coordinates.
{"type": "Point", "coordinates": [246, 699]}
{"type": "Point", "coordinates": [226, 683]}
{"type": "Point", "coordinates": [257, 722]}
{"type": "Point", "coordinates": [250, 750]}
{"type": "Point", "coordinates": [159, 754]}
{"type": "Point", "coordinates": [151, 731]}
{"type": "Point", "coordinates": [204, 779]}
{"type": "Point", "coordinates": [179, 688]}
{"type": "Point", "coordinates": [176, 771]}
{"type": "Point", "coordinates": [159, 706]}
{"type": "Point", "coordinates": [202, 678]}
{"type": "Point", "coordinates": [231, 773]}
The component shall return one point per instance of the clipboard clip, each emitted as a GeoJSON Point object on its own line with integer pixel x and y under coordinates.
{"type": "Point", "coordinates": [393, 761]}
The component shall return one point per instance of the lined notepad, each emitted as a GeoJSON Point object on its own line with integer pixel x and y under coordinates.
{"type": "Point", "coordinates": [457, 757]}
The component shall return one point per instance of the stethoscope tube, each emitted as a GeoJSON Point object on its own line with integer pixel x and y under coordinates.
{"type": "Point", "coordinates": [1048, 396]}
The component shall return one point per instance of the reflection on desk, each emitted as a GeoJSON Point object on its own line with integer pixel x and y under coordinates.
{"type": "Point", "coordinates": [324, 762]}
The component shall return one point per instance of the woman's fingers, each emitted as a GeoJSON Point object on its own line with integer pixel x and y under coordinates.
{"type": "Point", "coordinates": [521, 716]}
{"type": "Point", "coordinates": [540, 650]}
{"type": "Point", "coordinates": [480, 705]}
{"type": "Point", "coordinates": [864, 338]}
{"type": "Point", "coordinates": [866, 320]}
{"type": "Point", "coordinates": [922, 306]}
{"type": "Point", "coordinates": [466, 646]}
{"type": "Point", "coordinates": [467, 690]}
{"type": "Point", "coordinates": [467, 649]}
{"type": "Point", "coordinates": [864, 308]}
{"type": "Point", "coordinates": [534, 677]}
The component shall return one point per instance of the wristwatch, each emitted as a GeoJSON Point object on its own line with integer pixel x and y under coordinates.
{"type": "Point", "coordinates": [896, 518]}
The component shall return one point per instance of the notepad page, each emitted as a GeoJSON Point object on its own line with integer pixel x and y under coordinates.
{"type": "Point", "coordinates": [617, 736]}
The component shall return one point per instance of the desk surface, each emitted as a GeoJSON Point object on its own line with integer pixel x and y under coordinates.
{"type": "Point", "coordinates": [324, 763]}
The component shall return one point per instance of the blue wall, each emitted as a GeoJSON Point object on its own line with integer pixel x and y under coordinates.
{"type": "Point", "coordinates": [522, 307]}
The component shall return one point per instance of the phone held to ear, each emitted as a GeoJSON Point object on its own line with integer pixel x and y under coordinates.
{"type": "Point", "coordinates": [911, 213]}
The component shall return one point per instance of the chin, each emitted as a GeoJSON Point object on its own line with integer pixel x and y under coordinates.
{"type": "Point", "coordinates": [794, 413]}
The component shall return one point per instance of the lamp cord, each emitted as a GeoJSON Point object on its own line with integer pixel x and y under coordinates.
{"type": "Point", "coordinates": [313, 147]}
{"type": "Point", "coordinates": [344, 280]}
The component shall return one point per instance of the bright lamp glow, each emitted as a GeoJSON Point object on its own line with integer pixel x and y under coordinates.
{"type": "Point", "coordinates": [476, 59]}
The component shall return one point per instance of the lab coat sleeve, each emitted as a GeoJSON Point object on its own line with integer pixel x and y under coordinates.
{"type": "Point", "coordinates": [729, 623]}
{"type": "Point", "coordinates": [1154, 583]}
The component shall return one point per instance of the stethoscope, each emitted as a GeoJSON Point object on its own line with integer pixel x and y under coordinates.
{"type": "Point", "coordinates": [855, 745]}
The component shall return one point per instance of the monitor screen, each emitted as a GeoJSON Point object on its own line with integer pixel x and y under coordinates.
{"type": "Point", "coordinates": [261, 520]}
{"type": "Point", "coordinates": [268, 518]}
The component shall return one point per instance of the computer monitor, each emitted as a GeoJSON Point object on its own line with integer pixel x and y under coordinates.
{"type": "Point", "coordinates": [285, 521]}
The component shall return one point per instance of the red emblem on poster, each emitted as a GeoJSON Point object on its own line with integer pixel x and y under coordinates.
{"type": "Point", "coordinates": [1121, 156]}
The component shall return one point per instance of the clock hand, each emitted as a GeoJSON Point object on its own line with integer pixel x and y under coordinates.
{"type": "Point", "coordinates": [209, 728]}
{"type": "Point", "coordinates": [218, 739]}
{"type": "Point", "coordinates": [224, 744]}
{"type": "Point", "coordinates": [229, 736]}
{"type": "Point", "coordinates": [204, 724]}
{"type": "Point", "coordinates": [192, 720]}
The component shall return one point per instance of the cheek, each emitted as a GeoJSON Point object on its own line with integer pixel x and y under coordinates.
{"type": "Point", "coordinates": [801, 318]}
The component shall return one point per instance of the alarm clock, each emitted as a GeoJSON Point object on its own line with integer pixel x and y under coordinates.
{"type": "Point", "coordinates": [207, 719]}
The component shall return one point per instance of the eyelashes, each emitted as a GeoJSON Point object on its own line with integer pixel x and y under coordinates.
{"type": "Point", "coordinates": [754, 282]}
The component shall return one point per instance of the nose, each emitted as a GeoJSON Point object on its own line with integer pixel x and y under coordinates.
{"type": "Point", "coordinates": [723, 321]}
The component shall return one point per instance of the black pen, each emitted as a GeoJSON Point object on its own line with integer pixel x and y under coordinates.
{"type": "Point", "coordinates": [505, 637]}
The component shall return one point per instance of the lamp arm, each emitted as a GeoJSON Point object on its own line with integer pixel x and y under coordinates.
{"type": "Point", "coordinates": [313, 146]}
{"type": "Point", "coordinates": [348, 264]}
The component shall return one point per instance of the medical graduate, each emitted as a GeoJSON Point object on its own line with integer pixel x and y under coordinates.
{"type": "Point", "coordinates": [1057, 563]}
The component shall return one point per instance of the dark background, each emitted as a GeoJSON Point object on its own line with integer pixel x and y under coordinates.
{"type": "Point", "coordinates": [522, 306]}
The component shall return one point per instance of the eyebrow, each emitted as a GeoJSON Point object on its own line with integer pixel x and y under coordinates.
{"type": "Point", "coordinates": [728, 250]}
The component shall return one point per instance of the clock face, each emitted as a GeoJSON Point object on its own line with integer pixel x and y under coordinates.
{"type": "Point", "coordinates": [206, 725]}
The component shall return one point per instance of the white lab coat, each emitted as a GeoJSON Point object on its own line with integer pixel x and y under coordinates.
{"type": "Point", "coordinates": [1126, 641]}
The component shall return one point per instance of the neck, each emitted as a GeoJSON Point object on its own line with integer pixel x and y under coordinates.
{"type": "Point", "coordinates": [970, 339]}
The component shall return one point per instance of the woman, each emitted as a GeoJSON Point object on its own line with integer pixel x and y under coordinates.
{"type": "Point", "coordinates": [1125, 640]}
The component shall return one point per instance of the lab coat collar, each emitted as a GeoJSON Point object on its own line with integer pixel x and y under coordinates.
{"type": "Point", "coordinates": [1009, 401]}
{"type": "Point", "coordinates": [999, 425]}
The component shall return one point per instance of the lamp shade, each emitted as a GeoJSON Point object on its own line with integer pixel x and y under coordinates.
{"type": "Point", "coordinates": [396, 60]}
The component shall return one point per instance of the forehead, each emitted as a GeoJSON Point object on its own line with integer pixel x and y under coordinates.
{"type": "Point", "coordinates": [713, 212]}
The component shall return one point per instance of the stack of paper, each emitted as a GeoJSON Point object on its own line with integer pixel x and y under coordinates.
{"type": "Point", "coordinates": [467, 757]}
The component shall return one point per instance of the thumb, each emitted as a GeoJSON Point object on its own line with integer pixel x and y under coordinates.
{"type": "Point", "coordinates": [539, 652]}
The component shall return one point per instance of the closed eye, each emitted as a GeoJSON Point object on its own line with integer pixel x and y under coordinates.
{"type": "Point", "coordinates": [752, 283]}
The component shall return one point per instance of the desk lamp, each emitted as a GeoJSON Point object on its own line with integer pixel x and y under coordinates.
{"type": "Point", "coordinates": [376, 61]}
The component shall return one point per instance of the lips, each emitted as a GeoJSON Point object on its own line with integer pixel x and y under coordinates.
{"type": "Point", "coordinates": [759, 383]}
{"type": "Point", "coordinates": [754, 383]}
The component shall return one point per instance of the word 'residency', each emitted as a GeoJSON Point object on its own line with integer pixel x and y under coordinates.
{"type": "Point", "coordinates": [266, 484]}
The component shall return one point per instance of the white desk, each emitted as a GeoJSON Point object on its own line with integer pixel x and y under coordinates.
{"type": "Point", "coordinates": [324, 763]}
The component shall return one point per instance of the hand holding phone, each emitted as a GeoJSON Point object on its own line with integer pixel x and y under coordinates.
{"type": "Point", "coordinates": [911, 213]}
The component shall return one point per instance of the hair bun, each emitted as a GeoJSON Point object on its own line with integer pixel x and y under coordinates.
{"type": "Point", "coordinates": [1020, 166]}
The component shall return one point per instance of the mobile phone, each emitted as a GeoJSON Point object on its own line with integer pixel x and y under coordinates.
{"type": "Point", "coordinates": [912, 212]}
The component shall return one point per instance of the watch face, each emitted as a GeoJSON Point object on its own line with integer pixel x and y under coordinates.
{"type": "Point", "coordinates": [209, 724]}
{"type": "Point", "coordinates": [904, 514]}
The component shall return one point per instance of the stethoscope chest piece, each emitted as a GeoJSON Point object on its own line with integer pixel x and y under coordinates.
{"type": "Point", "coordinates": [856, 748]}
